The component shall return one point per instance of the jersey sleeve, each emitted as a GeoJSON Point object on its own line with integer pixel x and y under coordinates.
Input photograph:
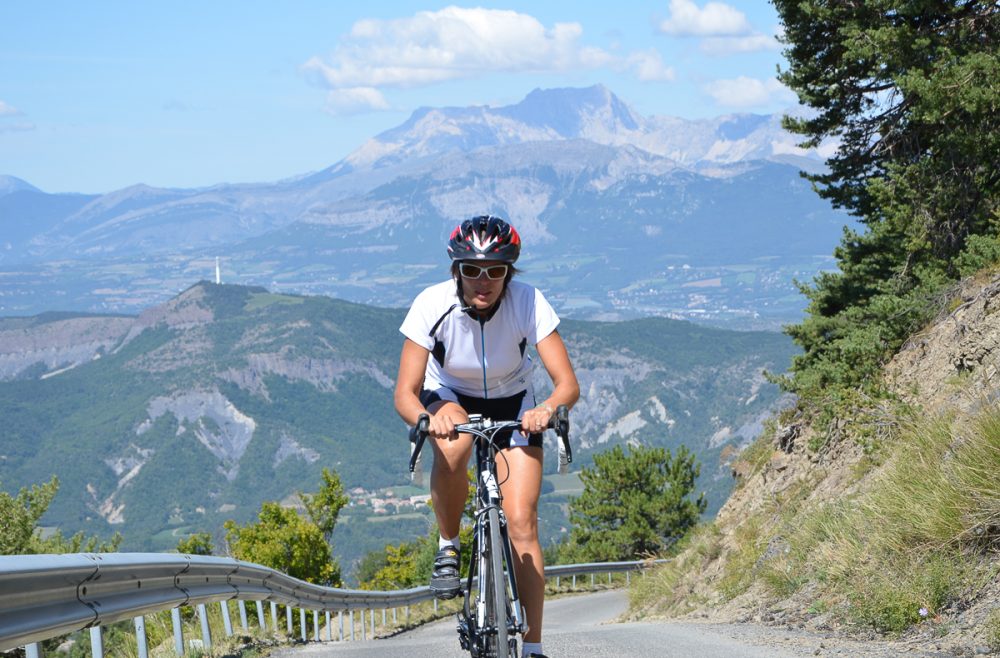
{"type": "Point", "coordinates": [545, 318]}
{"type": "Point", "coordinates": [417, 324]}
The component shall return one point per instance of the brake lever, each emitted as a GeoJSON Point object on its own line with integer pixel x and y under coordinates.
{"type": "Point", "coordinates": [418, 434]}
{"type": "Point", "coordinates": [562, 430]}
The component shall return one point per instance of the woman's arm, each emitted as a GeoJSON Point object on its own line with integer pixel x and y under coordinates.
{"type": "Point", "coordinates": [565, 388]}
{"type": "Point", "coordinates": [412, 364]}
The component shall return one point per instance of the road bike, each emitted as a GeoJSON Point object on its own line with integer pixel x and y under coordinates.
{"type": "Point", "coordinates": [492, 616]}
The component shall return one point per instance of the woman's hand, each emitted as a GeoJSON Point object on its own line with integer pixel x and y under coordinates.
{"type": "Point", "coordinates": [536, 420]}
{"type": "Point", "coordinates": [442, 425]}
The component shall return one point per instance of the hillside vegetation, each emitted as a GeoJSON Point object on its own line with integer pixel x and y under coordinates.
{"type": "Point", "coordinates": [201, 409]}
{"type": "Point", "coordinates": [874, 504]}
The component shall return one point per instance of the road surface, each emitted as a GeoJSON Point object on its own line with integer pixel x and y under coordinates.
{"type": "Point", "coordinates": [585, 626]}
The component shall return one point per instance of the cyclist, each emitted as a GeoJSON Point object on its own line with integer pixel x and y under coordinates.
{"type": "Point", "coordinates": [465, 352]}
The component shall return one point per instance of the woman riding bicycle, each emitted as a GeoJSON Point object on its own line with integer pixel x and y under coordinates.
{"type": "Point", "coordinates": [465, 353]}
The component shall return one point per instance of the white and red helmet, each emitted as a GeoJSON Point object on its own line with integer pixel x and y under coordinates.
{"type": "Point", "coordinates": [485, 238]}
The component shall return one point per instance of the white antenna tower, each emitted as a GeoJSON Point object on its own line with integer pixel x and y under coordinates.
{"type": "Point", "coordinates": [218, 272]}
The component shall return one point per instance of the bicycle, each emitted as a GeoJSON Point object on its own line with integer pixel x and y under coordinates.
{"type": "Point", "coordinates": [493, 618]}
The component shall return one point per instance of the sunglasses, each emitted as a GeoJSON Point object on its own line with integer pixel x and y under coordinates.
{"type": "Point", "coordinates": [494, 272]}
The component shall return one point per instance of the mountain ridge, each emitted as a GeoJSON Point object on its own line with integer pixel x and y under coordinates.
{"type": "Point", "coordinates": [227, 395]}
{"type": "Point", "coordinates": [562, 165]}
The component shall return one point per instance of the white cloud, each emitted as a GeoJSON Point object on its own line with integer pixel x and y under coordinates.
{"type": "Point", "coordinates": [354, 100]}
{"type": "Point", "coordinates": [744, 92]}
{"type": "Point", "coordinates": [455, 42]}
{"type": "Point", "coordinates": [648, 66]}
{"type": "Point", "coordinates": [7, 110]}
{"type": "Point", "coordinates": [741, 44]}
{"type": "Point", "coordinates": [714, 19]}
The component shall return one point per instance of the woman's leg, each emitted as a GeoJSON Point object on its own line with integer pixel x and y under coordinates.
{"type": "Point", "coordinates": [449, 479]}
{"type": "Point", "coordinates": [521, 477]}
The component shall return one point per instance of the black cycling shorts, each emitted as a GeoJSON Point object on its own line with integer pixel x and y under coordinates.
{"type": "Point", "coordinates": [511, 408]}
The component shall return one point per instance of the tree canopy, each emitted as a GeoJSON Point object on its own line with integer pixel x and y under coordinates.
{"type": "Point", "coordinates": [19, 531]}
{"type": "Point", "coordinates": [288, 541]}
{"type": "Point", "coordinates": [634, 504]}
{"type": "Point", "coordinates": [908, 88]}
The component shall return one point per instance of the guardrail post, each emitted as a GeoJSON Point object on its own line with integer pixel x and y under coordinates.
{"type": "Point", "coordinates": [243, 615]}
{"type": "Point", "coordinates": [329, 631]}
{"type": "Point", "coordinates": [31, 650]}
{"type": "Point", "coordinates": [557, 581]}
{"type": "Point", "coordinates": [316, 625]}
{"type": "Point", "coordinates": [628, 577]}
{"type": "Point", "coordinates": [340, 626]}
{"type": "Point", "coordinates": [574, 581]}
{"type": "Point", "coordinates": [609, 578]}
{"type": "Point", "coordinates": [407, 615]}
{"type": "Point", "coordinates": [96, 642]}
{"type": "Point", "coordinates": [140, 636]}
{"type": "Point", "coordinates": [175, 618]}
{"type": "Point", "coordinates": [288, 620]}
{"type": "Point", "coordinates": [372, 615]}
{"type": "Point", "coordinates": [393, 615]}
{"type": "Point", "coordinates": [206, 632]}
{"type": "Point", "coordinates": [274, 616]}
{"type": "Point", "coordinates": [351, 614]}
{"type": "Point", "coordinates": [302, 624]}
{"type": "Point", "coordinates": [260, 616]}
{"type": "Point", "coordinates": [363, 636]}
{"type": "Point", "coordinates": [227, 622]}
{"type": "Point", "coordinates": [592, 583]}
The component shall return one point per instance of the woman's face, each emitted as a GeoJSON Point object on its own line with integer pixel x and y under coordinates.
{"type": "Point", "coordinates": [481, 292]}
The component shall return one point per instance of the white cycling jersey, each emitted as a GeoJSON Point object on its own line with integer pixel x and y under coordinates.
{"type": "Point", "coordinates": [480, 359]}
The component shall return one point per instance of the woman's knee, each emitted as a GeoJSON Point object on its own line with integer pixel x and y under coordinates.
{"type": "Point", "coordinates": [451, 464]}
{"type": "Point", "coordinates": [522, 524]}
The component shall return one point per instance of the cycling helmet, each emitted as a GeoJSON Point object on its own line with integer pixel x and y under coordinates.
{"type": "Point", "coordinates": [484, 238]}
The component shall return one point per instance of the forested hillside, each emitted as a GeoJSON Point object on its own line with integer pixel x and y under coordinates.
{"type": "Point", "coordinates": [202, 408]}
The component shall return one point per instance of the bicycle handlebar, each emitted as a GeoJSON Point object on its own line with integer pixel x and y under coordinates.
{"type": "Point", "coordinates": [559, 421]}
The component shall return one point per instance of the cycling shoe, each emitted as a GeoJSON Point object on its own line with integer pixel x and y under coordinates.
{"type": "Point", "coordinates": [445, 582]}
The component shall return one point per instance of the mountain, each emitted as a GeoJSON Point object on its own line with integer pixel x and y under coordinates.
{"type": "Point", "coordinates": [593, 114]}
{"type": "Point", "coordinates": [698, 212]}
{"type": "Point", "coordinates": [10, 184]}
{"type": "Point", "coordinates": [201, 408]}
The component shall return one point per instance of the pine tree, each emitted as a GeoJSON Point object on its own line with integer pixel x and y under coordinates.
{"type": "Point", "coordinates": [633, 504]}
{"type": "Point", "coordinates": [908, 88]}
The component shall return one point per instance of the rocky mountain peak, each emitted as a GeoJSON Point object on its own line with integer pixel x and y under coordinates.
{"type": "Point", "coordinates": [574, 113]}
{"type": "Point", "coordinates": [592, 113]}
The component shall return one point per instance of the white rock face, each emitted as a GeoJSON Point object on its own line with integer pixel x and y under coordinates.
{"type": "Point", "coordinates": [215, 422]}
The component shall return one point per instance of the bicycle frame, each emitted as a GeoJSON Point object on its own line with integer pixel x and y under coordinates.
{"type": "Point", "coordinates": [492, 618]}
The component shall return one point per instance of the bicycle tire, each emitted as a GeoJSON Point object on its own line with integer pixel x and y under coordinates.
{"type": "Point", "coordinates": [496, 600]}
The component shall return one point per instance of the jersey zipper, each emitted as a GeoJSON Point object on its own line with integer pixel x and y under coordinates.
{"type": "Point", "coordinates": [482, 344]}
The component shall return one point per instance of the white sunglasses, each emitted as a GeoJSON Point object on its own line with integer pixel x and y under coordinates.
{"type": "Point", "coordinates": [470, 271]}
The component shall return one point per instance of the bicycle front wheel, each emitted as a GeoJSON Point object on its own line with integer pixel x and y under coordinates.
{"type": "Point", "coordinates": [497, 612]}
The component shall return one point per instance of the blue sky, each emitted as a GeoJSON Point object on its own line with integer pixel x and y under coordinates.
{"type": "Point", "coordinates": [98, 96]}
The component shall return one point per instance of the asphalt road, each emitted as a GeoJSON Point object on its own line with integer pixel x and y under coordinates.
{"type": "Point", "coordinates": [581, 626]}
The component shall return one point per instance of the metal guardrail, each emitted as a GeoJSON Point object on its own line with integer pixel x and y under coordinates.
{"type": "Point", "coordinates": [46, 596]}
